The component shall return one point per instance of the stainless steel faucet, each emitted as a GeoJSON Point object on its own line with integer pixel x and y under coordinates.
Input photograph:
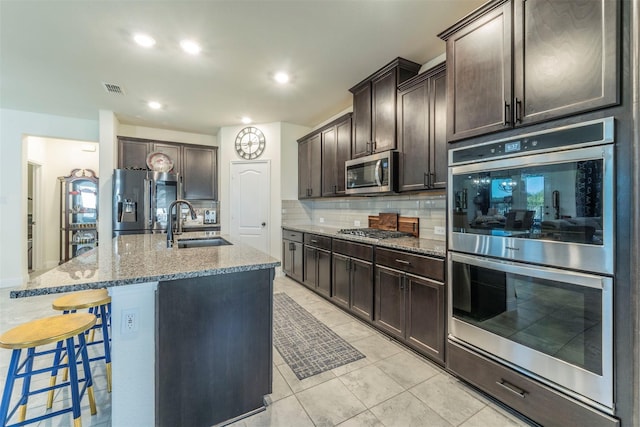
{"type": "Point", "coordinates": [177, 202]}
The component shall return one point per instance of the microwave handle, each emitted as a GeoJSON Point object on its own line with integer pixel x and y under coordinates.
{"type": "Point", "coordinates": [378, 173]}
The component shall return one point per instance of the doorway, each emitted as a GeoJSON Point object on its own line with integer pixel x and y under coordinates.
{"type": "Point", "coordinates": [249, 203]}
{"type": "Point", "coordinates": [34, 237]}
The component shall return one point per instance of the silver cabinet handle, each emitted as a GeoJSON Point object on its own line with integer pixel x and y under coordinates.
{"type": "Point", "coordinates": [314, 241]}
{"type": "Point", "coordinates": [402, 261]}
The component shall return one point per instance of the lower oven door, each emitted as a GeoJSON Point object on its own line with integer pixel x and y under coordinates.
{"type": "Point", "coordinates": [554, 325]}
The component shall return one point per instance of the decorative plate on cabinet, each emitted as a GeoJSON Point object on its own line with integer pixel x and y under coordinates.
{"type": "Point", "coordinates": [159, 162]}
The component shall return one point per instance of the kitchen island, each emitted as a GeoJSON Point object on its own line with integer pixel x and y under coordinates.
{"type": "Point", "coordinates": [191, 327]}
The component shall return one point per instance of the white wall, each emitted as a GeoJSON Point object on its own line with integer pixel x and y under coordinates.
{"type": "Point", "coordinates": [280, 137]}
{"type": "Point", "coordinates": [14, 127]}
{"type": "Point", "coordinates": [57, 157]}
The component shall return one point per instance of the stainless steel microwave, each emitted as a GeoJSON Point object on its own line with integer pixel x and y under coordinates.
{"type": "Point", "coordinates": [373, 174]}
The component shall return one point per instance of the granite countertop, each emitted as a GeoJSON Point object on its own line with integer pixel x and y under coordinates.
{"type": "Point", "coordinates": [410, 244]}
{"type": "Point", "coordinates": [141, 258]}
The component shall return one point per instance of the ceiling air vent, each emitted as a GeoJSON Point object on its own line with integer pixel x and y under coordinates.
{"type": "Point", "coordinates": [113, 88]}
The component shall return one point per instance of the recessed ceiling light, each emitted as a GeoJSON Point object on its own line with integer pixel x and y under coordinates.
{"type": "Point", "coordinates": [154, 105]}
{"type": "Point", "coordinates": [246, 120]}
{"type": "Point", "coordinates": [281, 77]}
{"type": "Point", "coordinates": [144, 40]}
{"type": "Point", "coordinates": [190, 46]}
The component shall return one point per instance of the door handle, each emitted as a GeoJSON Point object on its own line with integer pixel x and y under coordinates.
{"type": "Point", "coordinates": [518, 110]}
{"type": "Point", "coordinates": [378, 173]}
{"type": "Point", "coordinates": [263, 224]}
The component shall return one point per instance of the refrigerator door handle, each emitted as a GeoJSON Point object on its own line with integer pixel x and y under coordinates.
{"type": "Point", "coordinates": [148, 195]}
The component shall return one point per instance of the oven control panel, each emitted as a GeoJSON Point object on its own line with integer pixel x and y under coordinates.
{"type": "Point", "coordinates": [573, 136]}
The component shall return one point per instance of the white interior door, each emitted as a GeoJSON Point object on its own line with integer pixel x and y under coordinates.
{"type": "Point", "coordinates": [249, 203]}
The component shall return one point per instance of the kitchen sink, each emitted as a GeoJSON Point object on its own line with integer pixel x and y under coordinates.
{"type": "Point", "coordinates": [202, 242]}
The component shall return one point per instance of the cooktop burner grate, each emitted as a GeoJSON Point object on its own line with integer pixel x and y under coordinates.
{"type": "Point", "coordinates": [373, 233]}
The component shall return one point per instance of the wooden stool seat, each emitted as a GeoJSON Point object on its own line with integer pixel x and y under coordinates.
{"type": "Point", "coordinates": [47, 330]}
{"type": "Point", "coordinates": [98, 302]}
{"type": "Point", "coordinates": [63, 330]}
{"type": "Point", "coordinates": [82, 299]}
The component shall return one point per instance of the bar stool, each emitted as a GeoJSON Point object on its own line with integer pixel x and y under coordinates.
{"type": "Point", "coordinates": [37, 333]}
{"type": "Point", "coordinates": [98, 302]}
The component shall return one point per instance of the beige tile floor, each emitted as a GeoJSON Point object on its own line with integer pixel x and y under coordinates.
{"type": "Point", "coordinates": [391, 386]}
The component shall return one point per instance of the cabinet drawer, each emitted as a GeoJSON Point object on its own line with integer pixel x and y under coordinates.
{"type": "Point", "coordinates": [523, 394]}
{"type": "Point", "coordinates": [295, 236]}
{"type": "Point", "coordinates": [315, 240]}
{"type": "Point", "coordinates": [355, 250]}
{"type": "Point", "coordinates": [432, 268]}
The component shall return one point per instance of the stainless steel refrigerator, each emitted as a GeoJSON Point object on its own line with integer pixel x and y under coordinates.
{"type": "Point", "coordinates": [141, 200]}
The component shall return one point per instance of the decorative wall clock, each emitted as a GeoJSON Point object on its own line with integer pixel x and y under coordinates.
{"type": "Point", "coordinates": [250, 143]}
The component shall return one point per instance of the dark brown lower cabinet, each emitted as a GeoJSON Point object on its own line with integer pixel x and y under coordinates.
{"type": "Point", "coordinates": [317, 263]}
{"type": "Point", "coordinates": [527, 396]}
{"type": "Point", "coordinates": [353, 278]}
{"type": "Point", "coordinates": [411, 308]}
{"type": "Point", "coordinates": [292, 254]}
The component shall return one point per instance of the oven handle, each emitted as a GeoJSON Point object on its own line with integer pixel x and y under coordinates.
{"type": "Point", "coordinates": [512, 388]}
{"type": "Point", "coordinates": [572, 277]}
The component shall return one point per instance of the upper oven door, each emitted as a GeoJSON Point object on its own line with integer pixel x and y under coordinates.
{"type": "Point", "coordinates": [554, 208]}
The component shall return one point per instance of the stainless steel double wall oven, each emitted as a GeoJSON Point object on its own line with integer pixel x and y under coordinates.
{"type": "Point", "coordinates": [531, 255]}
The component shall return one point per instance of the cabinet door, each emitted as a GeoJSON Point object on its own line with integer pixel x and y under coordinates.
{"type": "Point", "coordinates": [199, 173]}
{"type": "Point", "coordinates": [303, 170]}
{"type": "Point", "coordinates": [361, 121]}
{"type": "Point", "coordinates": [132, 154]}
{"type": "Point", "coordinates": [438, 131]}
{"type": "Point", "coordinates": [315, 166]}
{"type": "Point", "coordinates": [341, 280]}
{"type": "Point", "coordinates": [343, 152]}
{"type": "Point", "coordinates": [362, 288]}
{"type": "Point", "coordinates": [297, 262]}
{"type": "Point", "coordinates": [425, 316]}
{"type": "Point", "coordinates": [310, 270]}
{"type": "Point", "coordinates": [413, 137]}
{"type": "Point", "coordinates": [324, 272]}
{"type": "Point", "coordinates": [565, 57]}
{"type": "Point", "coordinates": [287, 257]}
{"type": "Point", "coordinates": [329, 162]}
{"type": "Point", "coordinates": [390, 311]}
{"type": "Point", "coordinates": [174, 152]}
{"type": "Point", "coordinates": [479, 76]}
{"type": "Point", "coordinates": [383, 126]}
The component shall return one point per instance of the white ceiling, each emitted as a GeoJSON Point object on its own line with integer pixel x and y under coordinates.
{"type": "Point", "coordinates": [55, 55]}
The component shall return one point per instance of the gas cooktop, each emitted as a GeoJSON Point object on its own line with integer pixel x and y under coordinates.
{"type": "Point", "coordinates": [374, 233]}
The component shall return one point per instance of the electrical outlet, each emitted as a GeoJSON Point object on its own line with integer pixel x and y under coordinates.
{"type": "Point", "coordinates": [356, 223]}
{"type": "Point", "coordinates": [129, 321]}
{"type": "Point", "coordinates": [321, 220]}
{"type": "Point", "coordinates": [439, 230]}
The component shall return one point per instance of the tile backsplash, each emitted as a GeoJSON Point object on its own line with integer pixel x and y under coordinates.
{"type": "Point", "coordinates": [346, 212]}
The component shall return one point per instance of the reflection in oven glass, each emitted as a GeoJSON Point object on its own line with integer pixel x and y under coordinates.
{"type": "Point", "coordinates": [560, 202]}
{"type": "Point", "coordinates": [558, 319]}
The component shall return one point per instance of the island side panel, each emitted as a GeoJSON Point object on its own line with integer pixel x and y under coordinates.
{"type": "Point", "coordinates": [214, 347]}
{"type": "Point", "coordinates": [133, 354]}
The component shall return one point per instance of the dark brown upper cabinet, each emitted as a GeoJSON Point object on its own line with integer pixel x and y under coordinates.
{"type": "Point", "coordinates": [374, 108]}
{"type": "Point", "coordinates": [422, 111]}
{"type": "Point", "coordinates": [564, 62]}
{"type": "Point", "coordinates": [198, 178]}
{"type": "Point", "coordinates": [336, 150]}
{"type": "Point", "coordinates": [310, 166]}
{"type": "Point", "coordinates": [196, 164]}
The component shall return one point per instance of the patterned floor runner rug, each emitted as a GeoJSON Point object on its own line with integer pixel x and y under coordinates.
{"type": "Point", "coordinates": [307, 345]}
